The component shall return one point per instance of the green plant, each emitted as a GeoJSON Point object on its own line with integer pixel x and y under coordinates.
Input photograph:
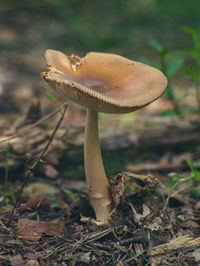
{"type": "Point", "coordinates": [167, 68]}
{"type": "Point", "coordinates": [196, 173]}
{"type": "Point", "coordinates": [49, 95]}
{"type": "Point", "coordinates": [172, 182]}
{"type": "Point", "coordinates": [196, 176]}
{"type": "Point", "coordinates": [195, 54]}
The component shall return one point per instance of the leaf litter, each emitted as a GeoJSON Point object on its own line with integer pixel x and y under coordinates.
{"type": "Point", "coordinates": [150, 225]}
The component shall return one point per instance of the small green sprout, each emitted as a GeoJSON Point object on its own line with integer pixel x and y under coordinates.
{"type": "Point", "coordinates": [51, 198]}
{"type": "Point", "coordinates": [72, 195]}
{"type": "Point", "coordinates": [172, 182]}
{"type": "Point", "coordinates": [18, 239]}
{"type": "Point", "coordinates": [54, 205]}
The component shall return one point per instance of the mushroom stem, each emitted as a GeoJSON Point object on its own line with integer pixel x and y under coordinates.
{"type": "Point", "coordinates": [97, 183]}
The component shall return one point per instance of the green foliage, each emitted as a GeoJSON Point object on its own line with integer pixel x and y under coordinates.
{"type": "Point", "coordinates": [162, 51]}
{"type": "Point", "coordinates": [195, 172]}
{"type": "Point", "coordinates": [196, 176]}
{"type": "Point", "coordinates": [169, 69]}
{"type": "Point", "coordinates": [72, 195]}
{"type": "Point", "coordinates": [174, 66]}
{"type": "Point", "coordinates": [172, 182]}
{"type": "Point", "coordinates": [54, 205]}
{"type": "Point", "coordinates": [195, 54]}
{"type": "Point", "coordinates": [18, 239]}
{"type": "Point", "coordinates": [49, 95]}
{"type": "Point", "coordinates": [51, 198]}
{"type": "Point", "coordinates": [195, 193]}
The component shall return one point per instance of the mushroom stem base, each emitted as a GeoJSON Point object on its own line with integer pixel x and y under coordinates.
{"type": "Point", "coordinates": [97, 183]}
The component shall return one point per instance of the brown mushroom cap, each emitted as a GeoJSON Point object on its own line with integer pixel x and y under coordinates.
{"type": "Point", "coordinates": [104, 82]}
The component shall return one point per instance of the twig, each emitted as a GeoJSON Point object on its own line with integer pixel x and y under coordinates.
{"type": "Point", "coordinates": [37, 161]}
{"type": "Point", "coordinates": [98, 235]}
{"type": "Point", "coordinates": [168, 198]}
{"type": "Point", "coordinates": [22, 132]}
{"type": "Point", "coordinates": [134, 257]}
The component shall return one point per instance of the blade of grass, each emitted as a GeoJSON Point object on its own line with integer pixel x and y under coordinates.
{"type": "Point", "coordinates": [49, 95]}
{"type": "Point", "coordinates": [194, 171]}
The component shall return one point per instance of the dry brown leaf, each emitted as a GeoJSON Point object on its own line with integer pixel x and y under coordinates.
{"type": "Point", "coordinates": [33, 203]}
{"type": "Point", "coordinates": [36, 202]}
{"type": "Point", "coordinates": [33, 230]}
{"type": "Point", "coordinates": [16, 260]}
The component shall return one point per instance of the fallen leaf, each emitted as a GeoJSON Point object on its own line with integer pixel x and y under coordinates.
{"type": "Point", "coordinates": [16, 260]}
{"type": "Point", "coordinates": [36, 202]}
{"type": "Point", "coordinates": [32, 263]}
{"type": "Point", "coordinates": [33, 203]}
{"type": "Point", "coordinates": [33, 230]}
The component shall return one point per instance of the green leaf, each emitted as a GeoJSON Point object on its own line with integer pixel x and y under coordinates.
{"type": "Point", "coordinates": [156, 45]}
{"type": "Point", "coordinates": [54, 205]}
{"type": "Point", "coordinates": [174, 66]}
{"type": "Point", "coordinates": [189, 30]}
{"type": "Point", "coordinates": [195, 193]}
{"type": "Point", "coordinates": [194, 171]}
{"type": "Point", "coordinates": [191, 52]}
{"type": "Point", "coordinates": [51, 198]}
{"type": "Point", "coordinates": [194, 36]}
{"type": "Point", "coordinates": [42, 161]}
{"type": "Point", "coordinates": [72, 195]}
{"type": "Point", "coordinates": [164, 52]}
{"type": "Point", "coordinates": [18, 239]}
{"type": "Point", "coordinates": [52, 98]}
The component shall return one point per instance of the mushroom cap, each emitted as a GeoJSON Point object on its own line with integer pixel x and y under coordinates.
{"type": "Point", "coordinates": [104, 82]}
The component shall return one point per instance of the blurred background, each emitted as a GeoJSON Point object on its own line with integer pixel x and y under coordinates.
{"type": "Point", "coordinates": [146, 30]}
{"type": "Point", "coordinates": [124, 27]}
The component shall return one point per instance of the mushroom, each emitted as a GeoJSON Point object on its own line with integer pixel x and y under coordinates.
{"type": "Point", "coordinates": [103, 83]}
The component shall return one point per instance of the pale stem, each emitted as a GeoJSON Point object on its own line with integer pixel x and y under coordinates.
{"type": "Point", "coordinates": [97, 183]}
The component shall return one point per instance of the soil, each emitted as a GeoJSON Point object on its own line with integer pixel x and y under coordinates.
{"type": "Point", "coordinates": [150, 226]}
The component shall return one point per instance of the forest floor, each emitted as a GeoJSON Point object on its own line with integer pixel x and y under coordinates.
{"type": "Point", "coordinates": [155, 223]}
